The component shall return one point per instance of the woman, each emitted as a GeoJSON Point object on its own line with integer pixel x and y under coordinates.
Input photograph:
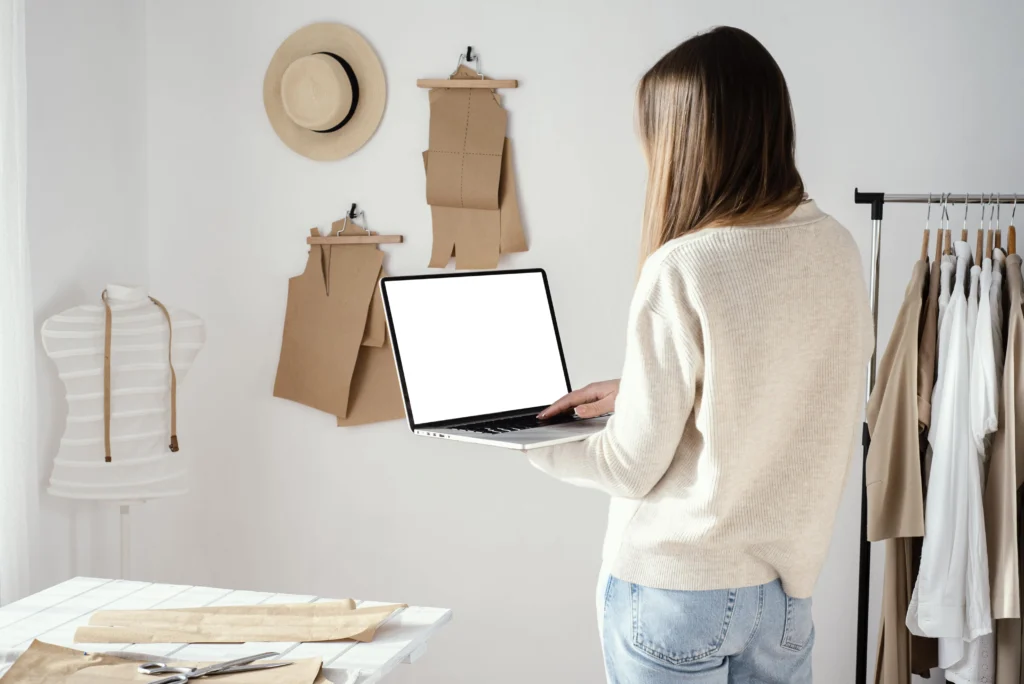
{"type": "Point", "coordinates": [741, 393]}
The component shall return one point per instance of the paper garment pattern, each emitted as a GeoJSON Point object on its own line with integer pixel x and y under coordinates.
{"type": "Point", "coordinates": [470, 179]}
{"type": "Point", "coordinates": [142, 466]}
{"type": "Point", "coordinates": [335, 351]}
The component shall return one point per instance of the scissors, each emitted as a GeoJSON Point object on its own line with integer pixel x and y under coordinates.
{"type": "Point", "coordinates": [181, 675]}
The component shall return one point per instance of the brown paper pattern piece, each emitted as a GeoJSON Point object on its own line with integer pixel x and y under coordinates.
{"type": "Point", "coordinates": [376, 321]}
{"type": "Point", "coordinates": [376, 395]}
{"type": "Point", "coordinates": [473, 236]}
{"type": "Point", "coordinates": [176, 626]}
{"type": "Point", "coordinates": [325, 324]}
{"type": "Point", "coordinates": [467, 134]}
{"type": "Point", "coordinates": [512, 237]}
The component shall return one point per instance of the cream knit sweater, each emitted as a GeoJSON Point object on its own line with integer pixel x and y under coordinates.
{"type": "Point", "coordinates": [739, 409]}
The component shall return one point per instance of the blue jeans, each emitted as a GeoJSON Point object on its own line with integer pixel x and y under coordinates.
{"type": "Point", "coordinates": [753, 635]}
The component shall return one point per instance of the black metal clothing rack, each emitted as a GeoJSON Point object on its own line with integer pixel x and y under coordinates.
{"type": "Point", "coordinates": [877, 200]}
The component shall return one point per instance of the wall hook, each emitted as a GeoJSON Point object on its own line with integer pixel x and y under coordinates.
{"type": "Point", "coordinates": [469, 54]}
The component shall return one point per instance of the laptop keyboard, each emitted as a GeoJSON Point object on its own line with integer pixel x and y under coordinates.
{"type": "Point", "coordinates": [502, 425]}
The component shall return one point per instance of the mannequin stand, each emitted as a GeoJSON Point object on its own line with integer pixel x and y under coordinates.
{"type": "Point", "coordinates": [126, 536]}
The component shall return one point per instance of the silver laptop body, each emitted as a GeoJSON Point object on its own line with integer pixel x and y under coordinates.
{"type": "Point", "coordinates": [478, 356]}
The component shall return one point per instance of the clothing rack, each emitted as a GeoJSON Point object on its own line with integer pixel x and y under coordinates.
{"type": "Point", "coordinates": [877, 200]}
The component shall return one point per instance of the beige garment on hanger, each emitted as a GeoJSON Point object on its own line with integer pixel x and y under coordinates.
{"type": "Point", "coordinates": [893, 468]}
{"type": "Point", "coordinates": [1006, 464]}
{"type": "Point", "coordinates": [927, 349]}
{"type": "Point", "coordinates": [1006, 470]}
{"type": "Point", "coordinates": [895, 486]}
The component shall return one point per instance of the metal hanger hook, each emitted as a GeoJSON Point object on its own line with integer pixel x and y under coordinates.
{"type": "Point", "coordinates": [967, 204]}
{"type": "Point", "coordinates": [467, 57]}
{"type": "Point", "coordinates": [928, 217]}
{"type": "Point", "coordinates": [1014, 212]}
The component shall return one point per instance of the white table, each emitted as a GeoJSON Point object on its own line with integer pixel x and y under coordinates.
{"type": "Point", "coordinates": [53, 615]}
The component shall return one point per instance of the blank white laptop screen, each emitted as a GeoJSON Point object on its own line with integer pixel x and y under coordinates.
{"type": "Point", "coordinates": [475, 344]}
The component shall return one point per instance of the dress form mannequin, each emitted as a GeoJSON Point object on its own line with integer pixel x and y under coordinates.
{"type": "Point", "coordinates": [141, 465]}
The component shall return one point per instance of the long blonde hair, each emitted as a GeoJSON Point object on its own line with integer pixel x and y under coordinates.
{"type": "Point", "coordinates": [716, 124]}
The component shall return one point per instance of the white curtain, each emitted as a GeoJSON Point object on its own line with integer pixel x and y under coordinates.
{"type": "Point", "coordinates": [18, 481]}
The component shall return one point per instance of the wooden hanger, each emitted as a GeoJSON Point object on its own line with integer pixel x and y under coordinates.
{"type": "Point", "coordinates": [1011, 232]}
{"type": "Point", "coordinates": [939, 237]}
{"type": "Point", "coordinates": [927, 235]}
{"type": "Point", "coordinates": [489, 83]}
{"type": "Point", "coordinates": [980, 246]}
{"type": "Point", "coordinates": [468, 56]}
{"type": "Point", "coordinates": [370, 238]}
{"type": "Point", "coordinates": [949, 246]}
{"type": "Point", "coordinates": [989, 238]}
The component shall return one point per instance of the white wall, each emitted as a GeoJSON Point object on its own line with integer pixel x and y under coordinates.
{"type": "Point", "coordinates": [925, 96]}
{"type": "Point", "coordinates": [86, 217]}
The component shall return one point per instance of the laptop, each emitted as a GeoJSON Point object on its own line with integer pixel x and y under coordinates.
{"type": "Point", "coordinates": [478, 356]}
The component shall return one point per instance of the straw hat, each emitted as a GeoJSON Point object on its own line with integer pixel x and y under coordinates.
{"type": "Point", "coordinates": [325, 91]}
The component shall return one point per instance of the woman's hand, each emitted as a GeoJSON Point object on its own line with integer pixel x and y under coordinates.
{"type": "Point", "coordinates": [595, 399]}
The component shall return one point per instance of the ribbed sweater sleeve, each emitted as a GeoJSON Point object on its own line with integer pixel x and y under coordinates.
{"type": "Point", "coordinates": [655, 399]}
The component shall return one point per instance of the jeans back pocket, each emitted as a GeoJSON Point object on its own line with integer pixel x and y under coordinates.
{"type": "Point", "coordinates": [678, 627]}
{"type": "Point", "coordinates": [799, 629]}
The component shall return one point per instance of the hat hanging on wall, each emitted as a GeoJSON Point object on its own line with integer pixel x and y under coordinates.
{"type": "Point", "coordinates": [325, 91]}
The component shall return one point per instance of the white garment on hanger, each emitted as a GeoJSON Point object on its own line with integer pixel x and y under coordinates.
{"type": "Point", "coordinates": [996, 297]}
{"type": "Point", "coordinates": [972, 308]}
{"type": "Point", "coordinates": [978, 661]}
{"type": "Point", "coordinates": [984, 383]}
{"type": "Point", "coordinates": [946, 601]}
{"type": "Point", "coordinates": [947, 267]}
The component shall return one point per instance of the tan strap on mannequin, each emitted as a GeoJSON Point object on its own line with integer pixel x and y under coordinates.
{"type": "Point", "coordinates": [108, 325]}
{"type": "Point", "coordinates": [106, 379]}
{"type": "Point", "coordinates": [174, 378]}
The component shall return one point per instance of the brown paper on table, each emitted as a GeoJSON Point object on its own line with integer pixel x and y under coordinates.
{"type": "Point", "coordinates": [307, 622]}
{"type": "Point", "coordinates": [45, 663]}
{"type": "Point", "coordinates": [335, 345]}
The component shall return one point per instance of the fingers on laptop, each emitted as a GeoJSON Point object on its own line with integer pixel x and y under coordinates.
{"type": "Point", "coordinates": [571, 400]}
{"type": "Point", "coordinates": [596, 408]}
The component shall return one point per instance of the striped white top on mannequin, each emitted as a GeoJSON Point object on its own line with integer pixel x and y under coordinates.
{"type": "Point", "coordinates": [142, 465]}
